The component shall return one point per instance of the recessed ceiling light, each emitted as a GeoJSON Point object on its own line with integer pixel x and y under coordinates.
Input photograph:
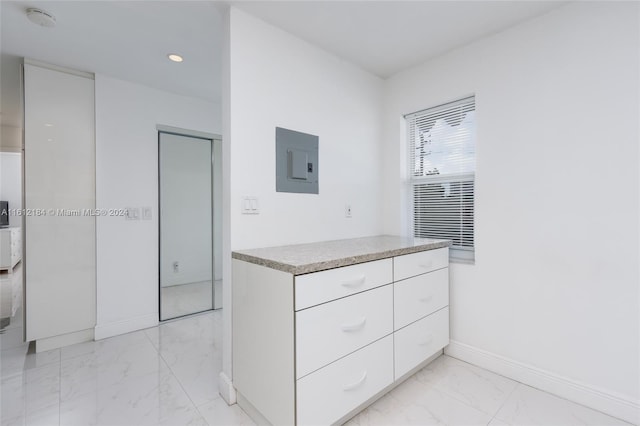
{"type": "Point", "coordinates": [175, 57]}
{"type": "Point", "coordinates": [48, 125]}
{"type": "Point", "coordinates": [41, 17]}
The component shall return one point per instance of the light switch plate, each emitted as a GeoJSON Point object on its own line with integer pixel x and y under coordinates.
{"type": "Point", "coordinates": [133, 213]}
{"type": "Point", "coordinates": [146, 213]}
{"type": "Point", "coordinates": [250, 205]}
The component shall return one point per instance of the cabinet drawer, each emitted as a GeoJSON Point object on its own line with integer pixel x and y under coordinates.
{"type": "Point", "coordinates": [327, 332]}
{"type": "Point", "coordinates": [325, 396]}
{"type": "Point", "coordinates": [418, 341]}
{"type": "Point", "coordinates": [414, 264]}
{"type": "Point", "coordinates": [420, 296]}
{"type": "Point", "coordinates": [320, 287]}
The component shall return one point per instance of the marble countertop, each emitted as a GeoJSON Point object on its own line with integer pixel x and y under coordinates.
{"type": "Point", "coordinates": [307, 258]}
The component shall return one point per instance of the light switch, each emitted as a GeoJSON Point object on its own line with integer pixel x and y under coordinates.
{"type": "Point", "coordinates": [250, 205]}
{"type": "Point", "coordinates": [133, 213]}
{"type": "Point", "coordinates": [146, 213]}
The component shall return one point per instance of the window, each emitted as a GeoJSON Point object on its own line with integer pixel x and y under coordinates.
{"type": "Point", "coordinates": [442, 165]}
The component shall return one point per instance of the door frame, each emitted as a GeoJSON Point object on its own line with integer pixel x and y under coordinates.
{"type": "Point", "coordinates": [215, 139]}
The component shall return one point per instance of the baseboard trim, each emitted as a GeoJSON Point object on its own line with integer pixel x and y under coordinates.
{"type": "Point", "coordinates": [226, 389]}
{"type": "Point", "coordinates": [63, 340]}
{"type": "Point", "coordinates": [607, 402]}
{"type": "Point", "coordinates": [127, 326]}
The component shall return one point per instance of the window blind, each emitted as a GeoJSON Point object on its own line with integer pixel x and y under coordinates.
{"type": "Point", "coordinates": [442, 168]}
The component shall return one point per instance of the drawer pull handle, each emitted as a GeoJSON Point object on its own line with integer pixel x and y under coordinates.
{"type": "Point", "coordinates": [354, 326]}
{"type": "Point", "coordinates": [354, 283]}
{"type": "Point", "coordinates": [426, 298]}
{"type": "Point", "coordinates": [354, 385]}
{"type": "Point", "coordinates": [427, 341]}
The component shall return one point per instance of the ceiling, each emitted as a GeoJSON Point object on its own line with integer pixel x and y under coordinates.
{"type": "Point", "coordinates": [385, 37]}
{"type": "Point", "coordinates": [130, 39]}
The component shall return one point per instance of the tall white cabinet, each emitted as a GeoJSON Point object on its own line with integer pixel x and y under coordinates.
{"type": "Point", "coordinates": [59, 188]}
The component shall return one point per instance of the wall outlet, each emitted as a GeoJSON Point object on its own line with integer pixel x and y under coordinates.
{"type": "Point", "coordinates": [347, 210]}
{"type": "Point", "coordinates": [176, 267]}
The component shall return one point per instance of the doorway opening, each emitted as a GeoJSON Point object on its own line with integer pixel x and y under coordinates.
{"type": "Point", "coordinates": [189, 185]}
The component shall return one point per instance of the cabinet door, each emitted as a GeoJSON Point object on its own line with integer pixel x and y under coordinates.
{"type": "Point", "coordinates": [422, 262]}
{"type": "Point", "coordinates": [417, 297]}
{"type": "Point", "coordinates": [59, 182]}
{"type": "Point", "coordinates": [418, 341]}
{"type": "Point", "coordinates": [327, 332]}
{"type": "Point", "coordinates": [324, 286]}
{"type": "Point", "coordinates": [327, 395]}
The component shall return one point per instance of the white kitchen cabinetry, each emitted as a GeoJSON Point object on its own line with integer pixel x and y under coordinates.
{"type": "Point", "coordinates": [316, 347]}
{"type": "Point", "coordinates": [10, 247]}
{"type": "Point", "coordinates": [59, 184]}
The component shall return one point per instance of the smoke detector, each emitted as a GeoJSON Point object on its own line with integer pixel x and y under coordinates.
{"type": "Point", "coordinates": [41, 17]}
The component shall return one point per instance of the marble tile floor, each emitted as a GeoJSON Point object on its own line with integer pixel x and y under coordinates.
{"type": "Point", "coordinates": [168, 375]}
{"type": "Point", "coordinates": [453, 392]}
{"type": "Point", "coordinates": [165, 375]}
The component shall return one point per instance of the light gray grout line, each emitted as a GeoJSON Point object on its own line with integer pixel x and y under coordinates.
{"type": "Point", "coordinates": [497, 374]}
{"type": "Point", "coordinates": [157, 349]}
{"type": "Point", "coordinates": [505, 401]}
{"type": "Point", "coordinates": [444, 390]}
{"type": "Point", "coordinates": [538, 389]}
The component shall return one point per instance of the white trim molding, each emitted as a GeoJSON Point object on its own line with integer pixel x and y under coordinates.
{"type": "Point", "coordinates": [608, 402]}
{"type": "Point", "coordinates": [127, 326]}
{"type": "Point", "coordinates": [53, 67]}
{"type": "Point", "coordinates": [55, 342]}
{"type": "Point", "coordinates": [226, 389]}
{"type": "Point", "coordinates": [187, 132]}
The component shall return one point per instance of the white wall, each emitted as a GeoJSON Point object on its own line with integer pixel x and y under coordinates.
{"type": "Point", "coordinates": [10, 139]}
{"type": "Point", "coordinates": [555, 282]}
{"type": "Point", "coordinates": [11, 183]}
{"type": "Point", "coordinates": [186, 223]}
{"type": "Point", "coordinates": [277, 80]}
{"type": "Point", "coordinates": [127, 176]}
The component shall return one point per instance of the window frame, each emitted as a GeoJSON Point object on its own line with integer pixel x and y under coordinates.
{"type": "Point", "coordinates": [457, 254]}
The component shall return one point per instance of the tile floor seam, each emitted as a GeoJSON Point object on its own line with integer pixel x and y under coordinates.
{"type": "Point", "coordinates": [201, 414]}
{"type": "Point", "coordinates": [460, 400]}
{"type": "Point", "coordinates": [176, 377]}
{"type": "Point", "coordinates": [570, 402]}
{"type": "Point", "coordinates": [442, 388]}
{"type": "Point", "coordinates": [518, 384]}
{"type": "Point", "coordinates": [541, 390]}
